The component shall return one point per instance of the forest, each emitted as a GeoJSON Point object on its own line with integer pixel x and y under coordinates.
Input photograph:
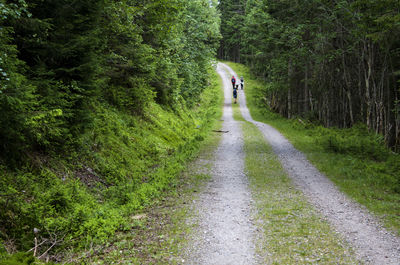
{"type": "Point", "coordinates": [59, 58]}
{"type": "Point", "coordinates": [331, 62]}
{"type": "Point", "coordinates": [103, 102]}
{"type": "Point", "coordinates": [99, 106]}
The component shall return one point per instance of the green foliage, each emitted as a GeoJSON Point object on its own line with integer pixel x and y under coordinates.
{"type": "Point", "coordinates": [155, 236]}
{"type": "Point", "coordinates": [16, 94]}
{"type": "Point", "coordinates": [19, 259]}
{"type": "Point", "coordinates": [369, 151]}
{"type": "Point", "coordinates": [355, 141]}
{"type": "Point", "coordinates": [60, 59]}
{"type": "Point", "coordinates": [232, 22]}
{"type": "Point", "coordinates": [125, 163]}
{"type": "Point", "coordinates": [98, 114]}
{"type": "Point", "coordinates": [331, 61]}
{"type": "Point", "coordinates": [354, 159]}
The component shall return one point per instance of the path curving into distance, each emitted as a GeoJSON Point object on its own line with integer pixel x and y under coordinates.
{"type": "Point", "coordinates": [372, 243]}
{"type": "Point", "coordinates": [226, 232]}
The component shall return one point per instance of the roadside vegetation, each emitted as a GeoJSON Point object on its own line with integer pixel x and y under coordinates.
{"type": "Point", "coordinates": [102, 103]}
{"type": "Point", "coordinates": [357, 161]}
{"type": "Point", "coordinates": [294, 233]}
{"type": "Point", "coordinates": [80, 211]}
{"type": "Point", "coordinates": [158, 233]}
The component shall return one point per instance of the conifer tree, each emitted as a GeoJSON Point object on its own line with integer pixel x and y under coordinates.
{"type": "Point", "coordinates": [335, 62]}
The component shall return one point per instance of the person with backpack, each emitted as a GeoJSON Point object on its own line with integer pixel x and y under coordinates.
{"type": "Point", "coordinates": [233, 82]}
{"type": "Point", "coordinates": [235, 89]}
{"type": "Point", "coordinates": [241, 82]}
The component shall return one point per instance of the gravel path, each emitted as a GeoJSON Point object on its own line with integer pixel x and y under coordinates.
{"type": "Point", "coordinates": [372, 243]}
{"type": "Point", "coordinates": [226, 232]}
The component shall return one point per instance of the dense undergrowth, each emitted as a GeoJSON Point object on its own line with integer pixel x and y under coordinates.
{"type": "Point", "coordinates": [125, 163]}
{"type": "Point", "coordinates": [356, 160]}
{"type": "Point", "coordinates": [99, 111]}
{"type": "Point", "coordinates": [159, 233]}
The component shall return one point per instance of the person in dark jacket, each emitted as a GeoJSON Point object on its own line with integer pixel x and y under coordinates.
{"type": "Point", "coordinates": [235, 89]}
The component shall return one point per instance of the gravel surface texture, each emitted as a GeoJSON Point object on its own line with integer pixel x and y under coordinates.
{"type": "Point", "coordinates": [372, 243]}
{"type": "Point", "coordinates": [226, 232]}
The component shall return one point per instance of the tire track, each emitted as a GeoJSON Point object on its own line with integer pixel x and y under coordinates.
{"type": "Point", "coordinates": [372, 243]}
{"type": "Point", "coordinates": [226, 232]}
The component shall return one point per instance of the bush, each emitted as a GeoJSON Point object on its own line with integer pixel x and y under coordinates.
{"type": "Point", "coordinates": [393, 166]}
{"type": "Point", "coordinates": [19, 259]}
{"type": "Point", "coordinates": [371, 154]}
{"type": "Point", "coordinates": [124, 164]}
{"type": "Point", "coordinates": [357, 141]}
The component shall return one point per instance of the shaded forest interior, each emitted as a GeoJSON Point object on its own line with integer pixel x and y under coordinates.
{"type": "Point", "coordinates": [333, 62]}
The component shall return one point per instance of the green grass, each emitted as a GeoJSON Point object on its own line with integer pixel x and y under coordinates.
{"type": "Point", "coordinates": [355, 160]}
{"type": "Point", "coordinates": [158, 233]}
{"type": "Point", "coordinates": [157, 237]}
{"type": "Point", "coordinates": [294, 233]}
{"type": "Point", "coordinates": [125, 164]}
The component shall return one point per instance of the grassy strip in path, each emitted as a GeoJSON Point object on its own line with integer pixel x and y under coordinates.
{"type": "Point", "coordinates": [293, 232]}
{"type": "Point", "coordinates": [159, 234]}
{"type": "Point", "coordinates": [349, 157]}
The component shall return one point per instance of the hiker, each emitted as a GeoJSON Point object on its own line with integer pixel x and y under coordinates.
{"type": "Point", "coordinates": [241, 82]}
{"type": "Point", "coordinates": [235, 89]}
{"type": "Point", "coordinates": [233, 82]}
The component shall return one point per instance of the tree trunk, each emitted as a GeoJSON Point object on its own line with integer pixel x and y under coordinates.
{"type": "Point", "coordinates": [367, 79]}
{"type": "Point", "coordinates": [349, 98]}
{"type": "Point", "coordinates": [306, 94]}
{"type": "Point", "coordinates": [289, 94]}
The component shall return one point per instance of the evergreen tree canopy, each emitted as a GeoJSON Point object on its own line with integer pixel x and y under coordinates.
{"type": "Point", "coordinates": [59, 57]}
{"type": "Point", "coordinates": [335, 62]}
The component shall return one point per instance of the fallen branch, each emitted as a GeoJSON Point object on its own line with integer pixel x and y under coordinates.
{"type": "Point", "coordinates": [54, 243]}
{"type": "Point", "coordinates": [37, 245]}
{"type": "Point", "coordinates": [220, 131]}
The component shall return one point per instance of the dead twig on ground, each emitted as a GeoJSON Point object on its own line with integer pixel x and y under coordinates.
{"type": "Point", "coordinates": [220, 131]}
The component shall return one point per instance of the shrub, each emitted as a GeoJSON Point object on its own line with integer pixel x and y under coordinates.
{"type": "Point", "coordinates": [356, 141]}
{"type": "Point", "coordinates": [20, 258]}
{"type": "Point", "coordinates": [124, 164]}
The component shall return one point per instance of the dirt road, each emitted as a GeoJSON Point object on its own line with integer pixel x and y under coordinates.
{"type": "Point", "coordinates": [225, 209]}
{"type": "Point", "coordinates": [226, 232]}
{"type": "Point", "coordinates": [371, 241]}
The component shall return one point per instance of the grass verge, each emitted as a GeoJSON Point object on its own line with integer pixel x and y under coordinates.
{"type": "Point", "coordinates": [78, 200]}
{"type": "Point", "coordinates": [158, 234]}
{"type": "Point", "coordinates": [294, 233]}
{"type": "Point", "coordinates": [356, 161]}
